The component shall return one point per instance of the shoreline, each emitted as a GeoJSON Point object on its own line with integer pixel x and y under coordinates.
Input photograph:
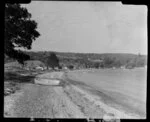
{"type": "Point", "coordinates": [107, 96]}
{"type": "Point", "coordinates": [72, 90]}
{"type": "Point", "coordinates": [95, 69]}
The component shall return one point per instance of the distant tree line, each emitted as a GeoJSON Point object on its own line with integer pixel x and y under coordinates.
{"type": "Point", "coordinates": [82, 60]}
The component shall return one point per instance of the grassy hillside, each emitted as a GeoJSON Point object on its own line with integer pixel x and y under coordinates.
{"type": "Point", "coordinates": [84, 60]}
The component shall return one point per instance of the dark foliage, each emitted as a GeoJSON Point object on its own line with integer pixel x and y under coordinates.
{"type": "Point", "coordinates": [81, 60]}
{"type": "Point", "coordinates": [16, 77]}
{"type": "Point", "coordinates": [52, 60]}
{"type": "Point", "coordinates": [20, 31]}
{"type": "Point", "coordinates": [70, 66]}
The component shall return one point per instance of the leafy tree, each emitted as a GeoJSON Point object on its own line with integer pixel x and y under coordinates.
{"type": "Point", "coordinates": [117, 63]}
{"type": "Point", "coordinates": [20, 31]}
{"type": "Point", "coordinates": [108, 62]}
{"type": "Point", "coordinates": [131, 63]}
{"type": "Point", "coordinates": [97, 65]}
{"type": "Point", "coordinates": [22, 57]}
{"type": "Point", "coordinates": [102, 65]}
{"type": "Point", "coordinates": [52, 60]}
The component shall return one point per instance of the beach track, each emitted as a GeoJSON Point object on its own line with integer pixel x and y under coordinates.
{"type": "Point", "coordinates": [51, 96]}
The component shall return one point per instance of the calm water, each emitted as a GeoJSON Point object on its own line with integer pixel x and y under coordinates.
{"type": "Point", "coordinates": [126, 86]}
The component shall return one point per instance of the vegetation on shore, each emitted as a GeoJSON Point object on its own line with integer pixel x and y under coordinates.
{"type": "Point", "coordinates": [15, 77]}
{"type": "Point", "coordinates": [87, 60]}
{"type": "Point", "coordinates": [20, 31]}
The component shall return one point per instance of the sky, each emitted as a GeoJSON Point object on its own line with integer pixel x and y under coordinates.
{"type": "Point", "coordinates": [89, 27]}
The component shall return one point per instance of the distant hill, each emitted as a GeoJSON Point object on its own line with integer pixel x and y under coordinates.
{"type": "Point", "coordinates": [85, 59]}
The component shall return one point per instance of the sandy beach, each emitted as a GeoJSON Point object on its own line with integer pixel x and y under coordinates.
{"type": "Point", "coordinates": [53, 95]}
{"type": "Point", "coordinates": [75, 60]}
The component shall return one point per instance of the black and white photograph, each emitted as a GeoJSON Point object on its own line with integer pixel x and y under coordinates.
{"type": "Point", "coordinates": [75, 59]}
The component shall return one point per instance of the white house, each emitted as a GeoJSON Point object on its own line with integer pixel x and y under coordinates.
{"type": "Point", "coordinates": [65, 68]}
{"type": "Point", "coordinates": [56, 68]}
{"type": "Point", "coordinates": [122, 67]}
{"type": "Point", "coordinates": [44, 68]}
{"type": "Point", "coordinates": [114, 68]}
{"type": "Point", "coordinates": [39, 68]}
{"type": "Point", "coordinates": [49, 68]}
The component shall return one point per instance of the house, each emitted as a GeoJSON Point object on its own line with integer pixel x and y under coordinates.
{"type": "Point", "coordinates": [65, 68]}
{"type": "Point", "coordinates": [114, 68]}
{"type": "Point", "coordinates": [44, 68]}
{"type": "Point", "coordinates": [49, 68]}
{"type": "Point", "coordinates": [56, 68]}
{"type": "Point", "coordinates": [96, 60]}
{"type": "Point", "coordinates": [27, 68]}
{"type": "Point", "coordinates": [39, 68]}
{"type": "Point", "coordinates": [122, 67]}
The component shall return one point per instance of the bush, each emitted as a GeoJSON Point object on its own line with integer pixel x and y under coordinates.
{"type": "Point", "coordinates": [53, 61]}
{"type": "Point", "coordinates": [70, 66]}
